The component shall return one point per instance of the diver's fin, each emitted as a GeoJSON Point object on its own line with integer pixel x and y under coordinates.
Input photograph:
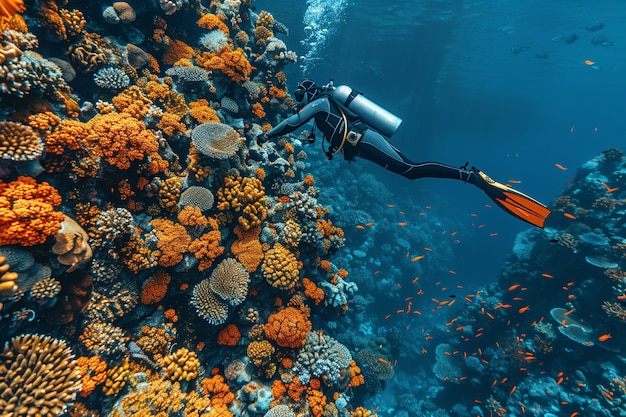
{"type": "Point", "coordinates": [515, 202]}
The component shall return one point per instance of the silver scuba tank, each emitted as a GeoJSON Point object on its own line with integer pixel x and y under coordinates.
{"type": "Point", "coordinates": [371, 113]}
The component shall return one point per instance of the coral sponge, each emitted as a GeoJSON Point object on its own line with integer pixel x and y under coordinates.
{"type": "Point", "coordinates": [27, 215]}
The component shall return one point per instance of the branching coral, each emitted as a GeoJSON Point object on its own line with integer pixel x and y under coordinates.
{"type": "Point", "coordinates": [38, 376]}
{"type": "Point", "coordinates": [245, 195]}
{"type": "Point", "coordinates": [27, 214]}
{"type": "Point", "coordinates": [288, 327]}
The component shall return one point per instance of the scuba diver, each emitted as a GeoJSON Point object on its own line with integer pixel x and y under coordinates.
{"type": "Point", "coordinates": [357, 127]}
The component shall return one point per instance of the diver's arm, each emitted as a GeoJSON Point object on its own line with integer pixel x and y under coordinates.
{"type": "Point", "coordinates": [294, 122]}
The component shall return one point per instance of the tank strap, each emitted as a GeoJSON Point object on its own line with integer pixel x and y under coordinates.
{"type": "Point", "coordinates": [328, 152]}
{"type": "Point", "coordinates": [351, 97]}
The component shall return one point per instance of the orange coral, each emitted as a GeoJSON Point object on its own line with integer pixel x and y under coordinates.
{"type": "Point", "coordinates": [9, 8]}
{"type": "Point", "coordinates": [309, 180]}
{"type": "Point", "coordinates": [121, 139]}
{"type": "Point", "coordinates": [173, 241]}
{"type": "Point", "coordinates": [206, 248]}
{"type": "Point", "coordinates": [93, 371]}
{"type": "Point", "coordinates": [229, 336]}
{"type": "Point", "coordinates": [312, 291]}
{"type": "Point", "coordinates": [217, 389]}
{"type": "Point", "coordinates": [232, 63]}
{"type": "Point", "coordinates": [27, 215]}
{"type": "Point", "coordinates": [260, 352]}
{"type": "Point", "coordinates": [202, 113]}
{"type": "Point", "coordinates": [278, 389]}
{"type": "Point", "coordinates": [213, 21]}
{"type": "Point", "coordinates": [356, 376]}
{"type": "Point", "coordinates": [171, 315]}
{"type": "Point", "coordinates": [192, 216]}
{"type": "Point", "coordinates": [317, 402]}
{"type": "Point", "coordinates": [295, 390]}
{"type": "Point", "coordinates": [155, 288]}
{"type": "Point", "coordinates": [258, 111]}
{"type": "Point", "coordinates": [247, 248]}
{"type": "Point", "coordinates": [176, 50]}
{"type": "Point", "coordinates": [170, 124]}
{"type": "Point", "coordinates": [288, 327]}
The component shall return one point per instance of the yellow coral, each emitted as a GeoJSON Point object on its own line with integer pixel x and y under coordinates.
{"type": "Point", "coordinates": [182, 364]}
{"type": "Point", "coordinates": [260, 352]}
{"type": "Point", "coordinates": [19, 142]}
{"type": "Point", "coordinates": [281, 267]}
{"type": "Point", "coordinates": [246, 196]}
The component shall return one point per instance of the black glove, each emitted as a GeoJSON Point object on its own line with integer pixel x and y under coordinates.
{"type": "Point", "coordinates": [261, 139]}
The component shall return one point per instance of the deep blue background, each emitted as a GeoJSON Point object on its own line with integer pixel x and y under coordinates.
{"type": "Point", "coordinates": [447, 68]}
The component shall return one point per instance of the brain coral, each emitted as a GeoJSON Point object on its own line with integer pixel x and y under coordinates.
{"type": "Point", "coordinates": [288, 327]}
{"type": "Point", "coordinates": [27, 215]}
{"type": "Point", "coordinates": [38, 376]}
{"type": "Point", "coordinates": [197, 196]}
{"type": "Point", "coordinates": [208, 305]}
{"type": "Point", "coordinates": [216, 140]}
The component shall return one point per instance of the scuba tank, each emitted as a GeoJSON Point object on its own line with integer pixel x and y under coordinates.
{"type": "Point", "coordinates": [371, 113]}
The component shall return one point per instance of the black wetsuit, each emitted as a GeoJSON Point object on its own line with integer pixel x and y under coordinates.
{"type": "Point", "coordinates": [331, 120]}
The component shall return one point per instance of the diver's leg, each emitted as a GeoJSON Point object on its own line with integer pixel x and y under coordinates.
{"type": "Point", "coordinates": [376, 148]}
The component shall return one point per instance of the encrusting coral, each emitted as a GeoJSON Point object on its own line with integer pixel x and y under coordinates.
{"type": "Point", "coordinates": [288, 327]}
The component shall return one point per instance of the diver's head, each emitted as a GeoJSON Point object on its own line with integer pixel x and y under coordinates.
{"type": "Point", "coordinates": [306, 92]}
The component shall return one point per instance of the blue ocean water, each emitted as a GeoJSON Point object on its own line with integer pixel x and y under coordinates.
{"type": "Point", "coordinates": [497, 84]}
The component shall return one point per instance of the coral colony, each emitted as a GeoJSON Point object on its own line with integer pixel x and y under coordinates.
{"type": "Point", "coordinates": [156, 261]}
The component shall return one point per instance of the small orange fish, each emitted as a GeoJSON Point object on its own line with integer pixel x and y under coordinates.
{"type": "Point", "coordinates": [390, 205]}
{"type": "Point", "coordinates": [370, 224]}
{"type": "Point", "coordinates": [546, 275]}
{"type": "Point", "coordinates": [453, 233]}
{"type": "Point", "coordinates": [515, 181]}
{"type": "Point", "coordinates": [514, 287]}
{"type": "Point", "coordinates": [401, 224]}
{"type": "Point", "coordinates": [523, 309]}
{"type": "Point", "coordinates": [452, 272]}
{"type": "Point", "coordinates": [360, 227]}
{"type": "Point", "coordinates": [589, 62]}
{"type": "Point", "coordinates": [513, 390]}
{"type": "Point", "coordinates": [417, 258]}
{"type": "Point", "coordinates": [569, 216]}
{"type": "Point", "coordinates": [428, 249]}
{"type": "Point", "coordinates": [493, 234]}
{"type": "Point", "coordinates": [561, 167]}
{"type": "Point", "coordinates": [605, 337]}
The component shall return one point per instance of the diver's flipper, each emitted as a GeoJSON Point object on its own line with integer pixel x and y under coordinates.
{"type": "Point", "coordinates": [516, 203]}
